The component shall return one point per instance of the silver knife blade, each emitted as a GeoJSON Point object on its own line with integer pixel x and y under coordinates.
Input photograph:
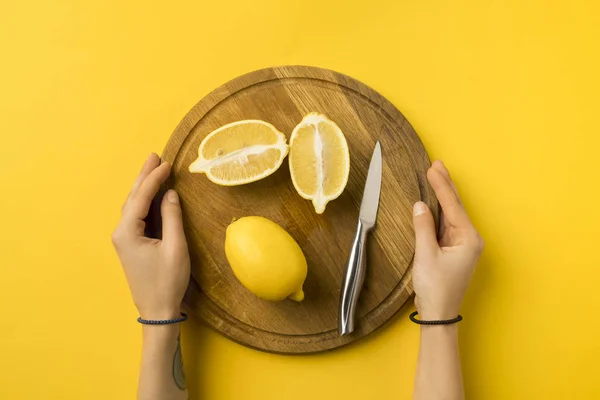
{"type": "Point", "coordinates": [370, 200]}
{"type": "Point", "coordinates": [357, 258]}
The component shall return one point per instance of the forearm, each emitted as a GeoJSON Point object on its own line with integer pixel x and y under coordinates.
{"type": "Point", "coordinates": [161, 373]}
{"type": "Point", "coordinates": [438, 375]}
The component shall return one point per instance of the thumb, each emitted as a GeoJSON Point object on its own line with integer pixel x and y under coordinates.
{"type": "Point", "coordinates": [172, 224]}
{"type": "Point", "coordinates": [426, 238]}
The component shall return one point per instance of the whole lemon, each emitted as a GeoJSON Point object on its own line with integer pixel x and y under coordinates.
{"type": "Point", "coordinates": [265, 259]}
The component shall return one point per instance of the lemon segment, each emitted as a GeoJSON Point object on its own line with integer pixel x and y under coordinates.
{"type": "Point", "coordinates": [319, 160]}
{"type": "Point", "coordinates": [241, 152]}
{"type": "Point", "coordinates": [265, 259]}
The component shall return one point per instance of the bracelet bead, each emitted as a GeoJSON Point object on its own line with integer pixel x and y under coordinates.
{"type": "Point", "coordinates": [439, 322]}
{"type": "Point", "coordinates": [163, 321]}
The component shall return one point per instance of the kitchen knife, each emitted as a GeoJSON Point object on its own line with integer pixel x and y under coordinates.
{"type": "Point", "coordinates": [357, 260]}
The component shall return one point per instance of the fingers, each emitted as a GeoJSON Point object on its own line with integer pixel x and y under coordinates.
{"type": "Point", "coordinates": [426, 238]}
{"type": "Point", "coordinates": [139, 204]}
{"type": "Point", "coordinates": [442, 225]}
{"type": "Point", "coordinates": [453, 210]}
{"type": "Point", "coordinates": [439, 165]}
{"type": "Point", "coordinates": [151, 163]}
{"type": "Point", "coordinates": [172, 224]}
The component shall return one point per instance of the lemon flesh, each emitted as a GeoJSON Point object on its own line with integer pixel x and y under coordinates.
{"type": "Point", "coordinates": [265, 259]}
{"type": "Point", "coordinates": [240, 152]}
{"type": "Point", "coordinates": [319, 160]}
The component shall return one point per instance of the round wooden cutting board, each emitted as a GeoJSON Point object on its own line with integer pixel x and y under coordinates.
{"type": "Point", "coordinates": [282, 96]}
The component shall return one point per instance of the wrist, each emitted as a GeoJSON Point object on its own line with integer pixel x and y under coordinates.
{"type": "Point", "coordinates": [159, 335]}
{"type": "Point", "coordinates": [160, 314]}
{"type": "Point", "coordinates": [436, 310]}
{"type": "Point", "coordinates": [439, 331]}
{"type": "Point", "coordinates": [437, 315]}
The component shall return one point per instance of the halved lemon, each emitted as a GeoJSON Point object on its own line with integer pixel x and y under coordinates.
{"type": "Point", "coordinates": [319, 160]}
{"type": "Point", "coordinates": [241, 152]}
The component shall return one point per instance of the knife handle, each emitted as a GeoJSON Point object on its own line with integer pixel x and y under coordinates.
{"type": "Point", "coordinates": [353, 281]}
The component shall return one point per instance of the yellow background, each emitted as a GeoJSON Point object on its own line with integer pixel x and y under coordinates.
{"type": "Point", "coordinates": [506, 92]}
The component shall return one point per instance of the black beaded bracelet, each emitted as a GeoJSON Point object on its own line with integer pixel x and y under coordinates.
{"type": "Point", "coordinates": [440, 322]}
{"type": "Point", "coordinates": [164, 321]}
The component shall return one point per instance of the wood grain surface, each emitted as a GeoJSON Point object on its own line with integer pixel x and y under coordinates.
{"type": "Point", "coordinates": [282, 96]}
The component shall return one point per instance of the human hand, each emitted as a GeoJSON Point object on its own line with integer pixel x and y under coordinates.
{"type": "Point", "coordinates": [443, 269]}
{"type": "Point", "coordinates": [157, 271]}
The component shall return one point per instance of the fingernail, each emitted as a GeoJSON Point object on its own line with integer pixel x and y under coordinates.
{"type": "Point", "coordinates": [419, 208]}
{"type": "Point", "coordinates": [172, 197]}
